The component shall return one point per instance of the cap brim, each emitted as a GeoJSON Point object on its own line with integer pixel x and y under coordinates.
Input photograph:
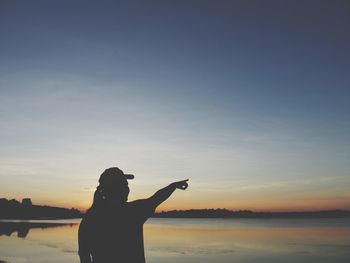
{"type": "Point", "coordinates": [129, 176]}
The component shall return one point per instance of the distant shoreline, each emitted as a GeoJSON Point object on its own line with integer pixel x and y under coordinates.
{"type": "Point", "coordinates": [216, 213]}
{"type": "Point", "coordinates": [12, 210]}
{"type": "Point", "coordinates": [225, 213]}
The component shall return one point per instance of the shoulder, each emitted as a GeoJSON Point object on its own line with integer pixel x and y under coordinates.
{"type": "Point", "coordinates": [143, 207]}
{"type": "Point", "coordinates": [141, 204]}
{"type": "Point", "coordinates": [138, 202]}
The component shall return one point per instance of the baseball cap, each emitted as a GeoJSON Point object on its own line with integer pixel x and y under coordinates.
{"type": "Point", "coordinates": [113, 175]}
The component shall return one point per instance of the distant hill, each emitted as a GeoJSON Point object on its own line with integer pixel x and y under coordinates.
{"type": "Point", "coordinates": [13, 209]}
{"type": "Point", "coordinates": [225, 213]}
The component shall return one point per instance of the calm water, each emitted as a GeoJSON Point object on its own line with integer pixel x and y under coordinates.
{"type": "Point", "coordinates": [195, 240]}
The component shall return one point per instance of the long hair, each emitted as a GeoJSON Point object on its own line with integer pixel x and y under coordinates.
{"type": "Point", "coordinates": [98, 198]}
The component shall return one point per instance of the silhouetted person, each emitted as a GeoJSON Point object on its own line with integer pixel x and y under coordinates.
{"type": "Point", "coordinates": [112, 229]}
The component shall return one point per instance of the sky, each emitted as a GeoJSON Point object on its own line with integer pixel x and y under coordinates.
{"type": "Point", "coordinates": [247, 99]}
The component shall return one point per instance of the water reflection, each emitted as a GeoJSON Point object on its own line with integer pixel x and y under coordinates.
{"type": "Point", "coordinates": [192, 241]}
{"type": "Point", "coordinates": [22, 228]}
{"type": "Point", "coordinates": [249, 241]}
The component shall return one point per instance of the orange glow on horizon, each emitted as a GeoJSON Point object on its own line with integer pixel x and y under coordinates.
{"type": "Point", "coordinates": [185, 202]}
{"type": "Point", "coordinates": [268, 207]}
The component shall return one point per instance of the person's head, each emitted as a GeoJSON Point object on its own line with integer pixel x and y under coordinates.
{"type": "Point", "coordinates": [114, 185]}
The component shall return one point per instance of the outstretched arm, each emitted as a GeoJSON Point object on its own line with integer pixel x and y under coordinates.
{"type": "Point", "coordinates": [163, 194]}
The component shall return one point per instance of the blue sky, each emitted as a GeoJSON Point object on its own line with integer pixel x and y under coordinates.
{"type": "Point", "coordinates": [248, 100]}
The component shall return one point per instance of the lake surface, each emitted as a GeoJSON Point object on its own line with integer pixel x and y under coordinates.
{"type": "Point", "coordinates": [193, 241]}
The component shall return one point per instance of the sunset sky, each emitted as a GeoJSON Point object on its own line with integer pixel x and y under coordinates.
{"type": "Point", "coordinates": [250, 100]}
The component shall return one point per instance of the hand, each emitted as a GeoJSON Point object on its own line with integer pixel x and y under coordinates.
{"type": "Point", "coordinates": [181, 184]}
